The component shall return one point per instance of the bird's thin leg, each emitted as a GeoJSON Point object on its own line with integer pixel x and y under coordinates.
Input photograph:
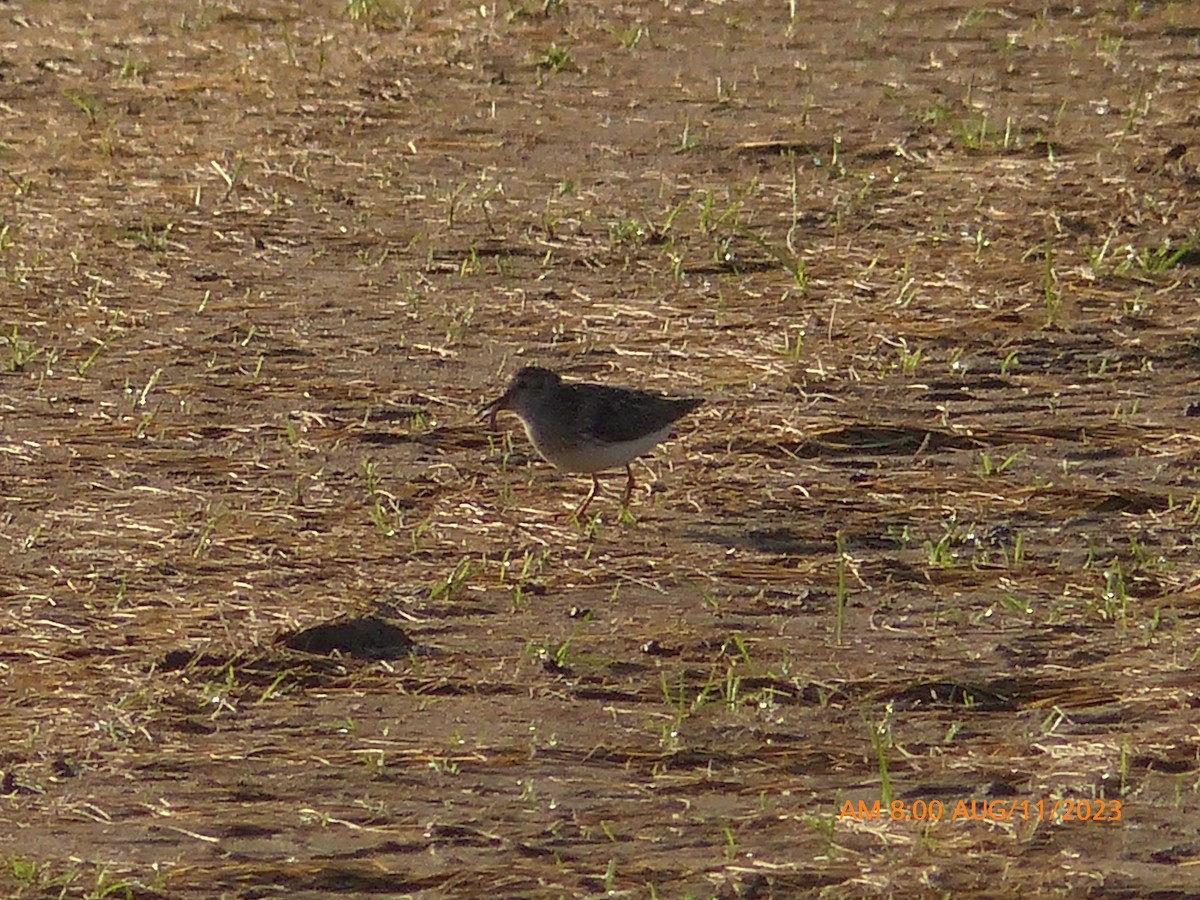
{"type": "Point", "coordinates": [588, 499]}
{"type": "Point", "coordinates": [628, 487]}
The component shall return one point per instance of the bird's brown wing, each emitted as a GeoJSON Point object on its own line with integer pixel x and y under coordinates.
{"type": "Point", "coordinates": [615, 415]}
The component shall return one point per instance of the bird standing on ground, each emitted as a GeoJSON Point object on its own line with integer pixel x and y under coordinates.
{"type": "Point", "coordinates": [587, 428]}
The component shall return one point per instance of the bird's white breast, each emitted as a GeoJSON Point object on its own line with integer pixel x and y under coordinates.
{"type": "Point", "coordinates": [577, 456]}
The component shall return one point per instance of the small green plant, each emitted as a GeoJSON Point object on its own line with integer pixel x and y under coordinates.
{"type": "Point", "coordinates": [107, 886]}
{"type": "Point", "coordinates": [1009, 363]}
{"type": "Point", "coordinates": [630, 37]}
{"type": "Point", "coordinates": [686, 141]}
{"type": "Point", "coordinates": [1018, 551]}
{"type": "Point", "coordinates": [133, 69]}
{"type": "Point", "coordinates": [725, 91]}
{"type": "Point", "coordinates": [532, 564]}
{"type": "Point", "coordinates": [973, 132]}
{"type": "Point", "coordinates": [839, 608]}
{"type": "Point", "coordinates": [955, 362]}
{"type": "Point", "coordinates": [529, 9]}
{"type": "Point", "coordinates": [275, 688]}
{"type": "Point", "coordinates": [793, 343]}
{"type": "Point", "coordinates": [945, 552]}
{"type": "Point", "coordinates": [24, 871]}
{"type": "Point", "coordinates": [1012, 604]}
{"type": "Point", "coordinates": [371, 13]}
{"type": "Point", "coordinates": [557, 655]}
{"type": "Point", "coordinates": [214, 513]}
{"type": "Point", "coordinates": [1123, 786]}
{"type": "Point", "coordinates": [590, 527]}
{"type": "Point", "coordinates": [154, 238]}
{"type": "Point", "coordinates": [935, 115]}
{"type": "Point", "coordinates": [385, 515]}
{"type": "Point", "coordinates": [452, 586]}
{"type": "Point", "coordinates": [1051, 294]}
{"type": "Point", "coordinates": [457, 327]}
{"type": "Point", "coordinates": [791, 263]}
{"type": "Point", "coordinates": [674, 697]}
{"type": "Point", "coordinates": [1115, 598]}
{"type": "Point", "coordinates": [1109, 44]}
{"type": "Point", "coordinates": [739, 644]}
{"type": "Point", "coordinates": [554, 59]}
{"type": "Point", "coordinates": [969, 19]}
{"type": "Point", "coordinates": [910, 360]}
{"type": "Point", "coordinates": [1146, 560]}
{"type": "Point", "coordinates": [628, 231]}
{"type": "Point", "coordinates": [21, 352]}
{"type": "Point", "coordinates": [730, 851]}
{"type": "Point", "coordinates": [907, 292]}
{"type": "Point", "coordinates": [1160, 259]}
{"type": "Point", "coordinates": [24, 186]}
{"type": "Point", "coordinates": [880, 734]}
{"type": "Point", "coordinates": [360, 10]}
{"type": "Point", "coordinates": [709, 218]}
{"type": "Point", "coordinates": [470, 263]}
{"type": "Point", "coordinates": [825, 826]}
{"type": "Point", "coordinates": [229, 177]}
{"type": "Point", "coordinates": [88, 104]}
{"type": "Point", "coordinates": [981, 244]}
{"type": "Point", "coordinates": [1137, 307]}
{"type": "Point", "coordinates": [1098, 257]}
{"type": "Point", "coordinates": [1053, 720]}
{"type": "Point", "coordinates": [989, 467]}
{"type": "Point", "coordinates": [101, 346]}
{"type": "Point", "coordinates": [529, 792]}
{"type": "Point", "coordinates": [712, 601]}
{"type": "Point", "coordinates": [723, 254]}
{"type": "Point", "coordinates": [1125, 413]}
{"type": "Point", "coordinates": [1138, 109]}
{"type": "Point", "coordinates": [941, 555]}
{"type": "Point", "coordinates": [444, 766]}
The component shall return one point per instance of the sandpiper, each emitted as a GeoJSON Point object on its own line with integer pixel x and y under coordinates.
{"type": "Point", "coordinates": [587, 428]}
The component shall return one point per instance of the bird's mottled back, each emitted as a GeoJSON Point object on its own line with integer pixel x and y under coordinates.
{"type": "Point", "coordinates": [614, 415]}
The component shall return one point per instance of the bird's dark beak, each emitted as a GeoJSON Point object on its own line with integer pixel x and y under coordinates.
{"type": "Point", "coordinates": [493, 409]}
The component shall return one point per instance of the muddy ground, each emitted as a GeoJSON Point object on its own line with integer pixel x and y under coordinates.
{"type": "Point", "coordinates": [930, 542]}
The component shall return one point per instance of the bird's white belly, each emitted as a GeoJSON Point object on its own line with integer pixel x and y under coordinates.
{"type": "Point", "coordinates": [578, 457]}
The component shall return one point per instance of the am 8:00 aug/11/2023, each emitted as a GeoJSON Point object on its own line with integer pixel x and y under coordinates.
{"type": "Point", "coordinates": [1098, 811]}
